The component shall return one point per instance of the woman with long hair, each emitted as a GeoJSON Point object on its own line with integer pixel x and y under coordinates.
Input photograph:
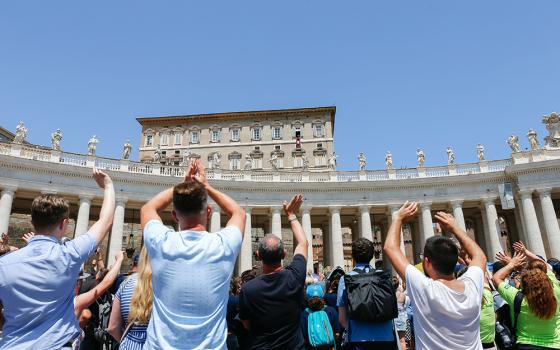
{"type": "Point", "coordinates": [132, 307]}
{"type": "Point", "coordinates": [539, 316]}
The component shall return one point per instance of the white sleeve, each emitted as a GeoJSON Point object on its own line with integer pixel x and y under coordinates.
{"type": "Point", "coordinates": [476, 276]}
{"type": "Point", "coordinates": [154, 231]}
{"type": "Point", "coordinates": [414, 278]}
{"type": "Point", "coordinates": [231, 238]}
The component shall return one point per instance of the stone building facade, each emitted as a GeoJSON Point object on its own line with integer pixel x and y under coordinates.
{"type": "Point", "coordinates": [496, 201]}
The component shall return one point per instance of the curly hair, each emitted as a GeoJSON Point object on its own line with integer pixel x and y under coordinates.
{"type": "Point", "coordinates": [316, 303]}
{"type": "Point", "coordinates": [538, 290]}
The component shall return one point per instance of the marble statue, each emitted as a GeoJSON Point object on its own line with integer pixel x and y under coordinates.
{"type": "Point", "coordinates": [362, 161]}
{"type": "Point", "coordinates": [56, 137]}
{"type": "Point", "coordinates": [248, 162]}
{"type": "Point", "coordinates": [216, 160]}
{"type": "Point", "coordinates": [533, 141]}
{"type": "Point", "coordinates": [127, 147]}
{"type": "Point", "coordinates": [21, 133]}
{"type": "Point", "coordinates": [513, 143]}
{"type": "Point", "coordinates": [186, 157]}
{"type": "Point", "coordinates": [157, 154]}
{"type": "Point", "coordinates": [389, 160]}
{"type": "Point", "coordinates": [450, 156]}
{"type": "Point", "coordinates": [332, 161]}
{"type": "Point", "coordinates": [480, 152]}
{"type": "Point", "coordinates": [92, 145]}
{"type": "Point", "coordinates": [420, 157]}
{"type": "Point", "coordinates": [552, 123]}
{"type": "Point", "coordinates": [305, 162]}
{"type": "Point", "coordinates": [274, 161]}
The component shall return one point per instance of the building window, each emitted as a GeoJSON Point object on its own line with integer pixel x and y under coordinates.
{"type": "Point", "coordinates": [235, 135]}
{"type": "Point", "coordinates": [298, 162]}
{"type": "Point", "coordinates": [164, 139]}
{"type": "Point", "coordinates": [256, 134]}
{"type": "Point", "coordinates": [319, 146]}
{"type": "Point", "coordinates": [320, 160]}
{"type": "Point", "coordinates": [297, 132]}
{"type": "Point", "coordinates": [195, 136]}
{"type": "Point", "coordinates": [257, 163]}
{"type": "Point", "coordinates": [234, 163]}
{"type": "Point", "coordinates": [149, 140]}
{"type": "Point", "coordinates": [318, 130]}
{"type": "Point", "coordinates": [277, 147]}
{"type": "Point", "coordinates": [277, 133]}
{"type": "Point", "coordinates": [215, 136]}
{"type": "Point", "coordinates": [178, 138]}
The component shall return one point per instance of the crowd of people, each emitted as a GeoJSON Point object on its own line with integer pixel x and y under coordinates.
{"type": "Point", "coordinates": [181, 293]}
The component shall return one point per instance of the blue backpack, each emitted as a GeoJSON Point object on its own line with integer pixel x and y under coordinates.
{"type": "Point", "coordinates": [319, 328]}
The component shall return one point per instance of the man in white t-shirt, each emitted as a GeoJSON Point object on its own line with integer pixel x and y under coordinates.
{"type": "Point", "coordinates": [446, 310]}
{"type": "Point", "coordinates": [191, 268]}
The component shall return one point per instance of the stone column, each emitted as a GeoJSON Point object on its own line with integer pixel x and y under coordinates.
{"type": "Point", "coordinates": [306, 223]}
{"type": "Point", "coordinates": [116, 239]}
{"type": "Point", "coordinates": [6, 200]}
{"type": "Point", "coordinates": [550, 222]}
{"type": "Point", "coordinates": [458, 214]}
{"type": "Point", "coordinates": [365, 223]}
{"type": "Point", "coordinates": [215, 224]}
{"type": "Point", "coordinates": [493, 238]}
{"type": "Point", "coordinates": [336, 238]}
{"type": "Point", "coordinates": [427, 228]}
{"type": "Point", "coordinates": [532, 229]}
{"type": "Point", "coordinates": [82, 222]}
{"type": "Point", "coordinates": [276, 222]}
{"type": "Point", "coordinates": [246, 255]}
{"type": "Point", "coordinates": [327, 250]}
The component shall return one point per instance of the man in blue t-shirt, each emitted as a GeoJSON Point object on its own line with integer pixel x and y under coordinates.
{"type": "Point", "coordinates": [363, 335]}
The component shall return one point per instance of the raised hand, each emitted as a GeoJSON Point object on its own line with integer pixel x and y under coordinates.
{"type": "Point", "coordinates": [119, 256]}
{"type": "Point", "coordinates": [519, 247]}
{"type": "Point", "coordinates": [103, 180]}
{"type": "Point", "coordinates": [292, 208]}
{"type": "Point", "coordinates": [200, 173]}
{"type": "Point", "coordinates": [518, 260]}
{"type": "Point", "coordinates": [447, 221]}
{"type": "Point", "coordinates": [191, 171]}
{"type": "Point", "coordinates": [501, 256]}
{"type": "Point", "coordinates": [408, 211]}
{"type": "Point", "coordinates": [28, 236]}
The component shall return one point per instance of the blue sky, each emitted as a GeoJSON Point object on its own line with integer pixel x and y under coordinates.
{"type": "Point", "coordinates": [403, 74]}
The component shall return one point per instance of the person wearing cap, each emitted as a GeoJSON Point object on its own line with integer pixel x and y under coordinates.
{"type": "Point", "coordinates": [316, 302]}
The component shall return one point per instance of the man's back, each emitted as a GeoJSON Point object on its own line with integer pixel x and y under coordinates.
{"type": "Point", "coordinates": [191, 274]}
{"type": "Point", "coordinates": [36, 289]}
{"type": "Point", "coordinates": [273, 303]}
{"type": "Point", "coordinates": [445, 318]}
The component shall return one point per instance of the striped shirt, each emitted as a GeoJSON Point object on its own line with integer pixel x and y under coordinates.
{"type": "Point", "coordinates": [136, 336]}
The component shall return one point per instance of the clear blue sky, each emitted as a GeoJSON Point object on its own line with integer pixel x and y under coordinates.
{"type": "Point", "coordinates": [402, 74]}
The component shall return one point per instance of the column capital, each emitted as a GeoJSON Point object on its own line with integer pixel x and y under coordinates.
{"type": "Point", "coordinates": [121, 201]}
{"type": "Point", "coordinates": [215, 207]}
{"type": "Point", "coordinates": [425, 205]}
{"type": "Point", "coordinates": [248, 210]}
{"type": "Point", "coordinates": [456, 203]}
{"type": "Point", "coordinates": [49, 192]}
{"type": "Point", "coordinates": [525, 193]}
{"type": "Point", "coordinates": [394, 207]}
{"type": "Point", "coordinates": [334, 210]}
{"type": "Point", "coordinates": [276, 209]}
{"type": "Point", "coordinates": [365, 208]}
{"type": "Point", "coordinates": [86, 198]}
{"type": "Point", "coordinates": [545, 191]}
{"type": "Point", "coordinates": [11, 190]}
{"type": "Point", "coordinates": [489, 201]}
{"type": "Point", "coordinates": [305, 209]}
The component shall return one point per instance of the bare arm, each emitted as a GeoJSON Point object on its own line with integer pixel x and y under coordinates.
{"type": "Point", "coordinates": [342, 317]}
{"type": "Point", "coordinates": [100, 229]}
{"type": "Point", "coordinates": [150, 211]}
{"type": "Point", "coordinates": [226, 203]}
{"type": "Point", "coordinates": [392, 245]}
{"type": "Point", "coordinates": [448, 222]}
{"type": "Point", "coordinates": [514, 263]}
{"type": "Point", "coordinates": [291, 210]}
{"type": "Point", "coordinates": [82, 301]}
{"type": "Point", "coordinates": [115, 327]}
{"type": "Point", "coordinates": [530, 256]}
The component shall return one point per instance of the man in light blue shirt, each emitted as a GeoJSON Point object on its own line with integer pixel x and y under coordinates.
{"type": "Point", "coordinates": [191, 268]}
{"type": "Point", "coordinates": [37, 281]}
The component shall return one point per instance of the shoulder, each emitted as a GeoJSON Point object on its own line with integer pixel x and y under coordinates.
{"type": "Point", "coordinates": [414, 276]}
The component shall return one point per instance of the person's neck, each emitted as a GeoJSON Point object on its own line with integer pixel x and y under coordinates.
{"type": "Point", "coordinates": [50, 234]}
{"type": "Point", "coordinates": [442, 277]}
{"type": "Point", "coordinates": [192, 227]}
{"type": "Point", "coordinates": [268, 269]}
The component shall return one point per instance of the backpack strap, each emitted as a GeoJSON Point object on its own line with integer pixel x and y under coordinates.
{"type": "Point", "coordinates": [517, 309]}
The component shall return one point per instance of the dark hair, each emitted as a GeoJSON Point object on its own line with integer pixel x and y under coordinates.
{"type": "Point", "coordinates": [362, 250]}
{"type": "Point", "coordinates": [442, 253]}
{"type": "Point", "coordinates": [247, 275]}
{"type": "Point", "coordinates": [497, 266]}
{"type": "Point", "coordinates": [189, 198]}
{"type": "Point", "coordinates": [316, 303]}
{"type": "Point", "coordinates": [234, 286]}
{"type": "Point", "coordinates": [271, 249]}
{"type": "Point", "coordinates": [47, 210]}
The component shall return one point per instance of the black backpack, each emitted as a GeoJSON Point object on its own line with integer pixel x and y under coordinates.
{"type": "Point", "coordinates": [371, 296]}
{"type": "Point", "coordinates": [506, 333]}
